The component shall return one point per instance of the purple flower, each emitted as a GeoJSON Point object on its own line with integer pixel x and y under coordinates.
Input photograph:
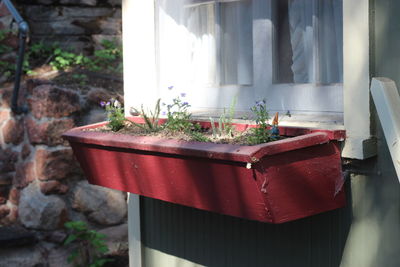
{"type": "Point", "coordinates": [185, 103]}
{"type": "Point", "coordinates": [108, 103]}
{"type": "Point", "coordinates": [170, 87]}
{"type": "Point", "coordinates": [163, 113]}
{"type": "Point", "coordinates": [183, 94]}
{"type": "Point", "coordinates": [102, 104]}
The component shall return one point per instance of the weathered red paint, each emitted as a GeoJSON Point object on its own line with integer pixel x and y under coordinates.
{"type": "Point", "coordinates": [287, 179]}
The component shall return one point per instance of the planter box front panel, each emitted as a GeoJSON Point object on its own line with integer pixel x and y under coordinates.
{"type": "Point", "coordinates": [280, 182]}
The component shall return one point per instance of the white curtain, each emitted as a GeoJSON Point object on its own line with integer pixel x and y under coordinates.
{"type": "Point", "coordinates": [206, 42]}
{"type": "Point", "coordinates": [236, 43]}
{"type": "Point", "coordinates": [316, 22]}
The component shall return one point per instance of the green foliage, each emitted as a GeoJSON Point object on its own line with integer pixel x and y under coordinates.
{"type": "Point", "coordinates": [106, 59]}
{"type": "Point", "coordinates": [178, 116]}
{"type": "Point", "coordinates": [115, 114]}
{"type": "Point", "coordinates": [260, 134]}
{"type": "Point", "coordinates": [91, 246]}
{"type": "Point", "coordinates": [80, 78]}
{"type": "Point", "coordinates": [197, 135]}
{"type": "Point", "coordinates": [110, 53]}
{"type": "Point", "coordinates": [63, 59]}
{"type": "Point", "coordinates": [225, 125]}
{"type": "Point", "coordinates": [151, 118]}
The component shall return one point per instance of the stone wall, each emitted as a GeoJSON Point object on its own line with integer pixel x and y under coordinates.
{"type": "Point", "coordinates": [76, 24]}
{"type": "Point", "coordinates": [41, 184]}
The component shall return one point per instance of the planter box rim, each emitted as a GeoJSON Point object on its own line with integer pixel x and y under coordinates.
{"type": "Point", "coordinates": [228, 152]}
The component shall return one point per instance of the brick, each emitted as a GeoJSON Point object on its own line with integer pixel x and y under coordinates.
{"type": "Point", "coordinates": [13, 131]}
{"type": "Point", "coordinates": [53, 102]}
{"type": "Point", "coordinates": [6, 178]}
{"type": "Point", "coordinates": [4, 115]}
{"type": "Point", "coordinates": [48, 133]}
{"type": "Point", "coordinates": [5, 94]}
{"type": "Point", "coordinates": [25, 174]}
{"type": "Point", "coordinates": [55, 165]}
{"type": "Point", "coordinates": [11, 215]}
{"type": "Point", "coordinates": [4, 193]}
{"type": "Point", "coordinates": [26, 151]}
{"type": "Point", "coordinates": [53, 187]}
{"type": "Point", "coordinates": [8, 158]}
{"type": "Point", "coordinates": [3, 10]}
{"type": "Point", "coordinates": [4, 211]}
{"type": "Point", "coordinates": [96, 95]}
{"type": "Point", "coordinates": [14, 196]}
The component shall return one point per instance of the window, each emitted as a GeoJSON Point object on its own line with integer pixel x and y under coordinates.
{"type": "Point", "coordinates": [287, 51]}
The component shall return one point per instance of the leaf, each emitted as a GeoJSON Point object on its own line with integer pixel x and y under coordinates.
{"type": "Point", "coordinates": [72, 256]}
{"type": "Point", "coordinates": [71, 238]}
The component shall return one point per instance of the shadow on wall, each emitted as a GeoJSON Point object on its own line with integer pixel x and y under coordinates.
{"type": "Point", "coordinates": [210, 239]}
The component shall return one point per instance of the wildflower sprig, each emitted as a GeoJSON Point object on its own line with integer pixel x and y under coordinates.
{"type": "Point", "coordinates": [225, 126]}
{"type": "Point", "coordinates": [151, 118]}
{"type": "Point", "coordinates": [178, 115]}
{"type": "Point", "coordinates": [115, 114]}
{"type": "Point", "coordinates": [260, 134]}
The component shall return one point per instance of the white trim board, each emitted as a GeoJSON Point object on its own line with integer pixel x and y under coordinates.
{"type": "Point", "coordinates": [387, 103]}
{"type": "Point", "coordinates": [134, 236]}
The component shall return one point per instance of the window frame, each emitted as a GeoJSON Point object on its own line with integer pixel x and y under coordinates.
{"type": "Point", "coordinates": [140, 83]}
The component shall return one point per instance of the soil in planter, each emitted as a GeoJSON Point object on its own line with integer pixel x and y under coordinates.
{"type": "Point", "coordinates": [239, 138]}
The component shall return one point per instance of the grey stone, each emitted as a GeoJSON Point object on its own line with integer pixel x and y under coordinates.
{"type": "Point", "coordinates": [86, 12]}
{"type": "Point", "coordinates": [62, 27]}
{"type": "Point", "coordinates": [46, 14]}
{"type": "Point", "coordinates": [45, 2]}
{"type": "Point", "coordinates": [95, 115]}
{"type": "Point", "coordinates": [39, 13]}
{"type": "Point", "coordinates": [59, 257]}
{"type": "Point", "coordinates": [115, 2]}
{"type": "Point", "coordinates": [79, 2]}
{"type": "Point", "coordinates": [111, 26]}
{"type": "Point", "coordinates": [116, 239]}
{"type": "Point", "coordinates": [41, 212]}
{"type": "Point", "coordinates": [17, 257]}
{"type": "Point", "coordinates": [101, 205]}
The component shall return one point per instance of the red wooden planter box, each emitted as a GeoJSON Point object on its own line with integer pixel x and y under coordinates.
{"type": "Point", "coordinates": [275, 182]}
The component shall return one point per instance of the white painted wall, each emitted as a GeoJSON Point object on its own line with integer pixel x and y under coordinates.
{"type": "Point", "coordinates": [356, 78]}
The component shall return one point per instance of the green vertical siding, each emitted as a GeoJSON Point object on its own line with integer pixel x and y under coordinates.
{"type": "Point", "coordinates": [209, 239]}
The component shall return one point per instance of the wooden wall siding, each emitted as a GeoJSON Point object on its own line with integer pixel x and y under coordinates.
{"type": "Point", "coordinates": [209, 239]}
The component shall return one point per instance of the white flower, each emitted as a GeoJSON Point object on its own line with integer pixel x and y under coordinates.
{"type": "Point", "coordinates": [117, 104]}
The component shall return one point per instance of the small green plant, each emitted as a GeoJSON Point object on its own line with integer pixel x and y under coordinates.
{"type": "Point", "coordinates": [105, 58]}
{"type": "Point", "coordinates": [63, 59]}
{"type": "Point", "coordinates": [197, 135]}
{"type": "Point", "coordinates": [178, 116]}
{"type": "Point", "coordinates": [115, 114]}
{"type": "Point", "coordinates": [90, 248]}
{"type": "Point", "coordinates": [80, 78]}
{"type": "Point", "coordinates": [225, 125]}
{"type": "Point", "coordinates": [151, 118]}
{"type": "Point", "coordinates": [260, 134]}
